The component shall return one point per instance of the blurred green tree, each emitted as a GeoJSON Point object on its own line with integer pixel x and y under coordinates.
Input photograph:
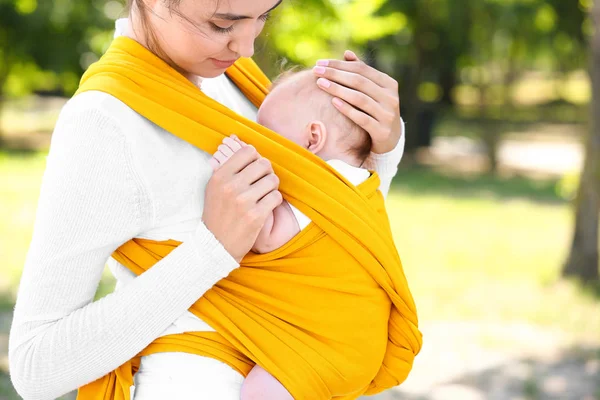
{"type": "Point", "coordinates": [486, 44]}
{"type": "Point", "coordinates": [45, 46]}
{"type": "Point", "coordinates": [583, 260]}
{"type": "Point", "coordinates": [429, 46]}
{"type": "Point", "coordinates": [303, 31]}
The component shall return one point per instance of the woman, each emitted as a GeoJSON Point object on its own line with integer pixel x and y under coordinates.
{"type": "Point", "coordinates": [112, 175]}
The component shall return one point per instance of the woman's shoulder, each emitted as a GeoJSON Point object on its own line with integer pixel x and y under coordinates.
{"type": "Point", "coordinates": [104, 113]}
{"type": "Point", "coordinates": [101, 116]}
{"type": "Point", "coordinates": [93, 117]}
{"type": "Point", "coordinates": [91, 158]}
{"type": "Point", "coordinates": [101, 104]}
{"type": "Point", "coordinates": [103, 125]}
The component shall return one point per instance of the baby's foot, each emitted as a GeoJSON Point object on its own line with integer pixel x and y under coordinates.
{"type": "Point", "coordinates": [226, 149]}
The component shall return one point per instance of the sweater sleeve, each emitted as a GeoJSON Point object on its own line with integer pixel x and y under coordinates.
{"type": "Point", "coordinates": [386, 164]}
{"type": "Point", "coordinates": [91, 201]}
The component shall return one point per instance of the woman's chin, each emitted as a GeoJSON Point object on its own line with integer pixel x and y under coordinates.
{"type": "Point", "coordinates": [214, 73]}
{"type": "Point", "coordinates": [208, 71]}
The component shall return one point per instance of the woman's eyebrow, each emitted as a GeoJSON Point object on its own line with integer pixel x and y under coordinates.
{"type": "Point", "coordinates": [235, 17]}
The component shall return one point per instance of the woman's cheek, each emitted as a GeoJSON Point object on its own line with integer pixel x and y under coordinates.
{"type": "Point", "coordinates": [216, 45]}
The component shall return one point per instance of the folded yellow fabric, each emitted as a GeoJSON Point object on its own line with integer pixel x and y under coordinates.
{"type": "Point", "coordinates": [329, 314]}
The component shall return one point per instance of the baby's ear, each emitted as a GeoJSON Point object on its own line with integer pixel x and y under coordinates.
{"type": "Point", "coordinates": [317, 136]}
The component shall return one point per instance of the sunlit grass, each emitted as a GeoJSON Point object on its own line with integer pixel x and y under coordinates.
{"type": "Point", "coordinates": [489, 257]}
{"type": "Point", "coordinates": [20, 178]}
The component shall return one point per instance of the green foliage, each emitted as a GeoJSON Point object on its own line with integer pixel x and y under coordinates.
{"type": "Point", "coordinates": [431, 44]}
{"type": "Point", "coordinates": [304, 31]}
{"type": "Point", "coordinates": [47, 45]}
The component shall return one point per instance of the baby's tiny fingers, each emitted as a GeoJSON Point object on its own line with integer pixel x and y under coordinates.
{"type": "Point", "coordinates": [223, 148]}
{"type": "Point", "coordinates": [237, 139]}
{"type": "Point", "coordinates": [233, 145]}
{"type": "Point", "coordinates": [221, 158]}
{"type": "Point", "coordinates": [214, 164]}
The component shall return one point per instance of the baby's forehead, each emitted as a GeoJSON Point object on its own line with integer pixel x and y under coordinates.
{"type": "Point", "coordinates": [300, 87]}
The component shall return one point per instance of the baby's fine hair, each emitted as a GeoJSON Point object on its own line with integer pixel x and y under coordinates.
{"type": "Point", "coordinates": [357, 140]}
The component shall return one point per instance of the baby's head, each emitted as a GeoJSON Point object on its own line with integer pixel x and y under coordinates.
{"type": "Point", "coordinates": [302, 112]}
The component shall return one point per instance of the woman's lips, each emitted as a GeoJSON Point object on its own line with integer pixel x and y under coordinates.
{"type": "Point", "coordinates": [222, 64]}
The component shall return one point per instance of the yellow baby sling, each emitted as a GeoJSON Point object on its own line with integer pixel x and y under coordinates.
{"type": "Point", "coordinates": [329, 314]}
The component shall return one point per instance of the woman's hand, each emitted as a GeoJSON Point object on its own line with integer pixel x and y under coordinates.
{"type": "Point", "coordinates": [366, 96]}
{"type": "Point", "coordinates": [240, 195]}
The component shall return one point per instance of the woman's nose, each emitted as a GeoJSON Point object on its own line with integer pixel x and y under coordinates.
{"type": "Point", "coordinates": [243, 44]}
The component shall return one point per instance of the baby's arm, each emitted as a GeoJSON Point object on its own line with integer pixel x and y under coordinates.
{"type": "Point", "coordinates": [281, 226]}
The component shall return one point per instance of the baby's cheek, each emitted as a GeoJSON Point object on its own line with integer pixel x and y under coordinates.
{"type": "Point", "coordinates": [292, 131]}
{"type": "Point", "coordinates": [288, 130]}
{"type": "Point", "coordinates": [281, 124]}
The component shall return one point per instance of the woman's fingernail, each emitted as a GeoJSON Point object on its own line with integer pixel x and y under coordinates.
{"type": "Point", "coordinates": [323, 82]}
{"type": "Point", "coordinates": [323, 63]}
{"type": "Point", "coordinates": [319, 70]}
{"type": "Point", "coordinates": [337, 102]}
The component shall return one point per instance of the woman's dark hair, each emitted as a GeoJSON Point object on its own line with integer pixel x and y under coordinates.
{"type": "Point", "coordinates": [149, 34]}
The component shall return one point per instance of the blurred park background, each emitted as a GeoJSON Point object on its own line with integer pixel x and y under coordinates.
{"type": "Point", "coordinates": [495, 208]}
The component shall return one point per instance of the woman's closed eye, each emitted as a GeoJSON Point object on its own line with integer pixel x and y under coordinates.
{"type": "Point", "coordinates": [228, 29]}
{"type": "Point", "coordinates": [220, 29]}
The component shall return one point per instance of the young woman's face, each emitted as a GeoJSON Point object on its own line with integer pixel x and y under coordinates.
{"type": "Point", "coordinates": [205, 37]}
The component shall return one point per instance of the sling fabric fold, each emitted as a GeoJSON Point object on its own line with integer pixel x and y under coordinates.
{"type": "Point", "coordinates": [329, 314]}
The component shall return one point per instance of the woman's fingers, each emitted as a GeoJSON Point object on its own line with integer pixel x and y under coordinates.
{"type": "Point", "coordinates": [255, 171]}
{"type": "Point", "coordinates": [268, 203]}
{"type": "Point", "coordinates": [354, 97]}
{"type": "Point", "coordinates": [333, 80]}
{"type": "Point", "coordinates": [366, 96]}
{"type": "Point", "coordinates": [365, 121]}
{"type": "Point", "coordinates": [239, 160]}
{"type": "Point", "coordinates": [349, 55]}
{"type": "Point", "coordinates": [263, 187]}
{"type": "Point", "coordinates": [350, 80]}
{"type": "Point", "coordinates": [253, 174]}
{"type": "Point", "coordinates": [239, 197]}
{"type": "Point", "coordinates": [360, 68]}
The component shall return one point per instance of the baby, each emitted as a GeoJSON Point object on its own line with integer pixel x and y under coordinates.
{"type": "Point", "coordinates": [297, 109]}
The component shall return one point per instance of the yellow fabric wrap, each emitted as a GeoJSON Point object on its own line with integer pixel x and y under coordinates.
{"type": "Point", "coordinates": [329, 314]}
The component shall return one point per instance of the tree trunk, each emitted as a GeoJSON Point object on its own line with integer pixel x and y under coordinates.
{"type": "Point", "coordinates": [448, 82]}
{"type": "Point", "coordinates": [2, 81]}
{"type": "Point", "coordinates": [411, 99]}
{"type": "Point", "coordinates": [583, 260]}
{"type": "Point", "coordinates": [4, 70]}
{"type": "Point", "coordinates": [490, 135]}
{"type": "Point", "coordinates": [1, 108]}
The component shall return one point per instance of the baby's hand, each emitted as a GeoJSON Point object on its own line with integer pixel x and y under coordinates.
{"type": "Point", "coordinates": [226, 149]}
